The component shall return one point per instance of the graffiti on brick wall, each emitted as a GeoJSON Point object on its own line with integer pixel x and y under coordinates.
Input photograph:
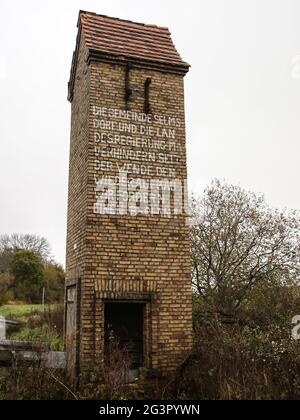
{"type": "Point", "coordinates": [138, 163]}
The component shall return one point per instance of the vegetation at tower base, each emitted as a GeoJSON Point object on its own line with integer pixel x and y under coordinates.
{"type": "Point", "coordinates": [245, 262]}
{"type": "Point", "coordinates": [242, 334]}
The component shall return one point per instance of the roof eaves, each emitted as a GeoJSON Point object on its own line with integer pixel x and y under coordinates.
{"type": "Point", "coordinates": [97, 55]}
{"type": "Point", "coordinates": [159, 65]}
{"type": "Point", "coordinates": [74, 60]}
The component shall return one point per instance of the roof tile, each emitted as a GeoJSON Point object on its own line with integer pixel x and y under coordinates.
{"type": "Point", "coordinates": [114, 39]}
{"type": "Point", "coordinates": [116, 36]}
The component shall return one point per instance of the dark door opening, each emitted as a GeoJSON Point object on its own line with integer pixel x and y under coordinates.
{"type": "Point", "coordinates": [125, 322]}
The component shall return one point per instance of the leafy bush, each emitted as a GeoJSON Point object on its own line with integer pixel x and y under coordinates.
{"type": "Point", "coordinates": [27, 269]}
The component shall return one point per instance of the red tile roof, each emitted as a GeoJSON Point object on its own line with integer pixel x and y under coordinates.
{"type": "Point", "coordinates": [116, 36]}
{"type": "Point", "coordinates": [118, 39]}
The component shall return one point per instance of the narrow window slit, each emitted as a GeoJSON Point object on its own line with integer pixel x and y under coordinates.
{"type": "Point", "coordinates": [147, 108]}
{"type": "Point", "coordinates": [128, 90]}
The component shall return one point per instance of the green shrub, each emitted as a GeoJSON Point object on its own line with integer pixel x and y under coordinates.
{"type": "Point", "coordinates": [40, 334]}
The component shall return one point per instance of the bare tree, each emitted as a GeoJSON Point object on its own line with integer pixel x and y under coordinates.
{"type": "Point", "coordinates": [237, 241]}
{"type": "Point", "coordinates": [34, 243]}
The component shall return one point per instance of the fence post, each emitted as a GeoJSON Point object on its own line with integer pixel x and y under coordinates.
{"type": "Point", "coordinates": [2, 328]}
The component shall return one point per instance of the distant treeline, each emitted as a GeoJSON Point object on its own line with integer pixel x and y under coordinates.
{"type": "Point", "coordinates": [26, 270]}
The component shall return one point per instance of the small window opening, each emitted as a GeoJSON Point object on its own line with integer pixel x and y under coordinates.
{"type": "Point", "coordinates": [128, 90]}
{"type": "Point", "coordinates": [147, 108]}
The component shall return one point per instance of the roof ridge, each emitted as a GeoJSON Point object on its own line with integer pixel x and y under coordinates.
{"type": "Point", "coordinates": [86, 12]}
{"type": "Point", "coordinates": [115, 40]}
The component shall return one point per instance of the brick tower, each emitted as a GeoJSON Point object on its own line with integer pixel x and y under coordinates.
{"type": "Point", "coordinates": [127, 240]}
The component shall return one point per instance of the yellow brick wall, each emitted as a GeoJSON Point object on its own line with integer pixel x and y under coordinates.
{"type": "Point", "coordinates": [127, 257]}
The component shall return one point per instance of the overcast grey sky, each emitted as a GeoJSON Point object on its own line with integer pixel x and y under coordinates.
{"type": "Point", "coordinates": [242, 99]}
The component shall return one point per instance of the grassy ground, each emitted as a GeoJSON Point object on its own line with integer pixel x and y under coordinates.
{"type": "Point", "coordinates": [37, 324]}
{"type": "Point", "coordinates": [19, 312]}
